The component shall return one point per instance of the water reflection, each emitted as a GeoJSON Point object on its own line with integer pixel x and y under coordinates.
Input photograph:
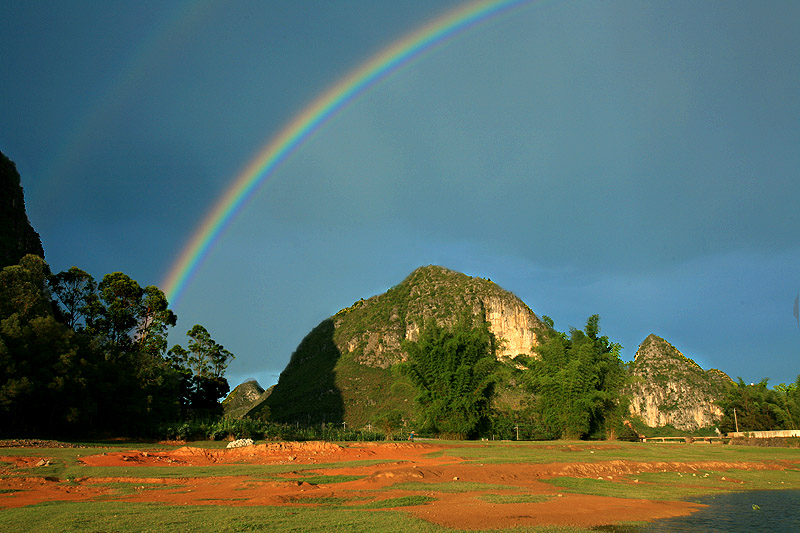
{"type": "Point", "coordinates": [768, 510]}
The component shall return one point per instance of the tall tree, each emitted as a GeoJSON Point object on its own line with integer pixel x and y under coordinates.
{"type": "Point", "coordinates": [453, 371]}
{"type": "Point", "coordinates": [153, 318]}
{"type": "Point", "coordinates": [121, 297]}
{"type": "Point", "coordinates": [73, 290]}
{"type": "Point", "coordinates": [202, 368]}
{"type": "Point", "coordinates": [756, 407]}
{"type": "Point", "coordinates": [43, 382]}
{"type": "Point", "coordinates": [23, 289]}
{"type": "Point", "coordinates": [577, 382]}
{"type": "Point", "coordinates": [206, 357]}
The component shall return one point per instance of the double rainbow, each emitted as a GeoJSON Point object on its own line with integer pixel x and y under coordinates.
{"type": "Point", "coordinates": [314, 116]}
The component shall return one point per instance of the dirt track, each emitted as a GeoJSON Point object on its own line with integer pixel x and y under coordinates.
{"type": "Point", "coordinates": [397, 463]}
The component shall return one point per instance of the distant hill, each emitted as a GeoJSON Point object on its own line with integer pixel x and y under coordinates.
{"type": "Point", "coordinates": [671, 389]}
{"type": "Point", "coordinates": [344, 370]}
{"type": "Point", "coordinates": [17, 236]}
{"type": "Point", "coordinates": [243, 398]}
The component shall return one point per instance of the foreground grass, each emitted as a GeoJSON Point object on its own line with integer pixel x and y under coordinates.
{"type": "Point", "coordinates": [143, 517]}
{"type": "Point", "coordinates": [117, 516]}
{"type": "Point", "coordinates": [361, 513]}
{"type": "Point", "coordinates": [592, 452]}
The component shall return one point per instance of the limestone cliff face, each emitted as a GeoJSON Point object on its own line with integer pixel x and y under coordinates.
{"type": "Point", "coordinates": [17, 236]}
{"type": "Point", "coordinates": [513, 323]}
{"type": "Point", "coordinates": [374, 329]}
{"type": "Point", "coordinates": [670, 388]}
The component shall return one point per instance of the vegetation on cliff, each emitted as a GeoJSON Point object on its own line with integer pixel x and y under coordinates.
{"type": "Point", "coordinates": [243, 397]}
{"type": "Point", "coordinates": [453, 370]}
{"type": "Point", "coordinates": [576, 384]}
{"type": "Point", "coordinates": [347, 370]}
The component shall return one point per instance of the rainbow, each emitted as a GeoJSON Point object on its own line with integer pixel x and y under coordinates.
{"type": "Point", "coordinates": [314, 116]}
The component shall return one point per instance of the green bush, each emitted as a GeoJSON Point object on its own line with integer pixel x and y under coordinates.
{"type": "Point", "coordinates": [232, 428]}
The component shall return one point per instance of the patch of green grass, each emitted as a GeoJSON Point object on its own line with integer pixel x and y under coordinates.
{"type": "Point", "coordinates": [59, 470]}
{"type": "Point", "coordinates": [390, 503]}
{"type": "Point", "coordinates": [450, 487]}
{"type": "Point", "coordinates": [602, 487]}
{"type": "Point", "coordinates": [515, 498]}
{"type": "Point", "coordinates": [320, 479]}
{"type": "Point", "coordinates": [435, 455]}
{"type": "Point", "coordinates": [727, 481]}
{"type": "Point", "coordinates": [143, 517]}
{"type": "Point", "coordinates": [499, 452]}
{"type": "Point", "coordinates": [677, 485]}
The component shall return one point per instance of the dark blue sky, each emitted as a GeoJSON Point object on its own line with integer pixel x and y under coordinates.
{"type": "Point", "coordinates": [638, 160]}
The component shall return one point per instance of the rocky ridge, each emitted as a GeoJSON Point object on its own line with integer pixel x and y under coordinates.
{"type": "Point", "coordinates": [671, 389]}
{"type": "Point", "coordinates": [17, 236]}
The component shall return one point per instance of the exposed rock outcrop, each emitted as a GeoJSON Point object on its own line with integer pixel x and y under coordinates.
{"type": "Point", "coordinates": [373, 329]}
{"type": "Point", "coordinates": [671, 389]}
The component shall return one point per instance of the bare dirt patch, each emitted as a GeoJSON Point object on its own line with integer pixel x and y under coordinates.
{"type": "Point", "coordinates": [390, 470]}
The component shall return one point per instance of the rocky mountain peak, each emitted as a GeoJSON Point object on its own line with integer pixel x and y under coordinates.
{"type": "Point", "coordinates": [655, 348]}
{"type": "Point", "coordinates": [673, 389]}
{"type": "Point", "coordinates": [373, 329]}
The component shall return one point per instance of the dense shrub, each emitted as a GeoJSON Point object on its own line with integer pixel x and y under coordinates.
{"type": "Point", "coordinates": [233, 428]}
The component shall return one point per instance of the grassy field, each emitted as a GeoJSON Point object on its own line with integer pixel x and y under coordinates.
{"type": "Point", "coordinates": [620, 470]}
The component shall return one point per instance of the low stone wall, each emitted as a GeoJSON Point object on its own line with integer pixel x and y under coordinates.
{"type": "Point", "coordinates": [765, 434]}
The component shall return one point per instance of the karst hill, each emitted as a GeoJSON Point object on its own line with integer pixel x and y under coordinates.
{"type": "Point", "coordinates": [669, 388]}
{"type": "Point", "coordinates": [242, 398]}
{"type": "Point", "coordinates": [345, 369]}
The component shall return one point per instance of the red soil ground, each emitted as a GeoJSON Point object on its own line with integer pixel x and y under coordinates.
{"type": "Point", "coordinates": [398, 463]}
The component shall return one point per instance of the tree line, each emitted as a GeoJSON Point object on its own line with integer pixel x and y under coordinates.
{"type": "Point", "coordinates": [80, 357]}
{"type": "Point", "coordinates": [573, 388]}
{"type": "Point", "coordinates": [756, 407]}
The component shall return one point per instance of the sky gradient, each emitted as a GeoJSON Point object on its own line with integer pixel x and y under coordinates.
{"type": "Point", "coordinates": [637, 160]}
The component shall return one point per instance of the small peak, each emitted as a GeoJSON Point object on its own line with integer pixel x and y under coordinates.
{"type": "Point", "coordinates": [644, 346]}
{"type": "Point", "coordinates": [658, 348]}
{"type": "Point", "coordinates": [432, 269]}
{"type": "Point", "coordinates": [251, 383]}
